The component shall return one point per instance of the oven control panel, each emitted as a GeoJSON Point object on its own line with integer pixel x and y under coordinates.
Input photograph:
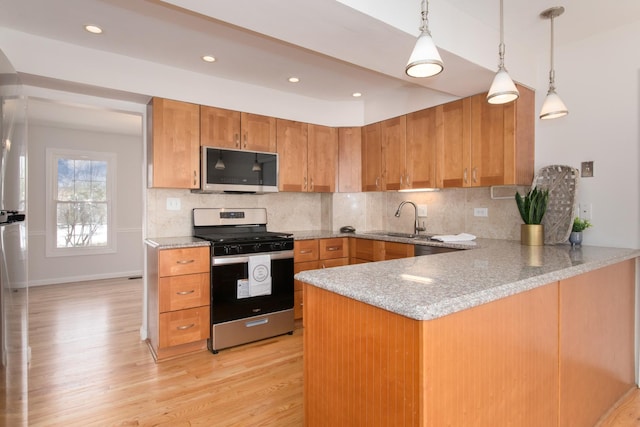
{"type": "Point", "coordinates": [252, 247]}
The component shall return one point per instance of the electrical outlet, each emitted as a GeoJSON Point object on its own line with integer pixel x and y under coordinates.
{"type": "Point", "coordinates": [481, 212]}
{"type": "Point", "coordinates": [586, 211]}
{"type": "Point", "coordinates": [422, 210]}
{"type": "Point", "coordinates": [173, 204]}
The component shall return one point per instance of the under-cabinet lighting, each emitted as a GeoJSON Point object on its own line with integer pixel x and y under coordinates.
{"type": "Point", "coordinates": [417, 190]}
{"type": "Point", "coordinates": [294, 79]}
{"type": "Point", "coordinates": [208, 58]}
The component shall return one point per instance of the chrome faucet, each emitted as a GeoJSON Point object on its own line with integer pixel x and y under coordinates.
{"type": "Point", "coordinates": [416, 226]}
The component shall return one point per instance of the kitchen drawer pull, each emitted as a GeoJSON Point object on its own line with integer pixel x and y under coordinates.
{"type": "Point", "coordinates": [257, 322]}
{"type": "Point", "coordinates": [305, 251]}
{"type": "Point", "coordinates": [334, 248]}
{"type": "Point", "coordinates": [185, 327]}
{"type": "Point", "coordinates": [464, 175]}
{"type": "Point", "coordinates": [185, 261]}
{"type": "Point", "coordinates": [185, 292]}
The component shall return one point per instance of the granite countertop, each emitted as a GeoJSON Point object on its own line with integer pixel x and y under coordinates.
{"type": "Point", "coordinates": [432, 286]}
{"type": "Point", "coordinates": [175, 242]}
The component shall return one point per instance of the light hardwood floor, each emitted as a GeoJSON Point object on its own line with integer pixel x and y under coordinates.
{"type": "Point", "coordinates": [89, 368]}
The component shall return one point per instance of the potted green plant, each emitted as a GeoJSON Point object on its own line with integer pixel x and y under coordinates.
{"type": "Point", "coordinates": [532, 208]}
{"type": "Point", "coordinates": [579, 225]}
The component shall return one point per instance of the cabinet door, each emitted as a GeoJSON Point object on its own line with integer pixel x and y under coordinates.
{"type": "Point", "coordinates": [219, 127]}
{"type": "Point", "coordinates": [394, 138]}
{"type": "Point", "coordinates": [371, 158]}
{"type": "Point", "coordinates": [350, 160]}
{"type": "Point", "coordinates": [322, 157]}
{"type": "Point", "coordinates": [421, 149]}
{"type": "Point", "coordinates": [453, 143]}
{"type": "Point", "coordinates": [394, 250]}
{"type": "Point", "coordinates": [174, 148]}
{"type": "Point", "coordinates": [258, 132]}
{"type": "Point", "coordinates": [490, 141]}
{"type": "Point", "coordinates": [292, 151]}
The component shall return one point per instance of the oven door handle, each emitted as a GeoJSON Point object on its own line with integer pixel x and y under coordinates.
{"type": "Point", "coordinates": [226, 260]}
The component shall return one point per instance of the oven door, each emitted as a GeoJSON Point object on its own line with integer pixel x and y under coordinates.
{"type": "Point", "coordinates": [229, 272]}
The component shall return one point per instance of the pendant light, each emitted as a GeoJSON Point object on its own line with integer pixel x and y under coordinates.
{"type": "Point", "coordinates": [256, 166]}
{"type": "Point", "coordinates": [553, 107]}
{"type": "Point", "coordinates": [425, 60]}
{"type": "Point", "coordinates": [502, 89]}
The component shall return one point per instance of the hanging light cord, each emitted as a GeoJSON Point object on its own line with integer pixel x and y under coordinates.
{"type": "Point", "coordinates": [501, 45]}
{"type": "Point", "coordinates": [552, 73]}
{"type": "Point", "coordinates": [424, 26]}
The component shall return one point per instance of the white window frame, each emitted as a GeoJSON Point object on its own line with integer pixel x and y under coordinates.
{"type": "Point", "coordinates": [52, 156]}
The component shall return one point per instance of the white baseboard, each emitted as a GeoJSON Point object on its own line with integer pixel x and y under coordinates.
{"type": "Point", "coordinates": [84, 278]}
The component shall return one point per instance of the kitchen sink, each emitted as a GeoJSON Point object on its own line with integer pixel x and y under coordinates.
{"type": "Point", "coordinates": [403, 235]}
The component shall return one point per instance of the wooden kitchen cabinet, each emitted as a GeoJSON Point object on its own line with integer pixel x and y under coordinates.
{"type": "Point", "coordinates": [480, 144]}
{"type": "Point", "coordinates": [314, 254]}
{"type": "Point", "coordinates": [372, 158]}
{"type": "Point", "coordinates": [237, 130]}
{"type": "Point", "coordinates": [173, 147]}
{"type": "Point", "coordinates": [308, 157]}
{"type": "Point", "coordinates": [394, 140]}
{"type": "Point", "coordinates": [350, 160]}
{"type": "Point", "coordinates": [422, 136]}
{"type": "Point", "coordinates": [367, 250]}
{"type": "Point", "coordinates": [179, 300]}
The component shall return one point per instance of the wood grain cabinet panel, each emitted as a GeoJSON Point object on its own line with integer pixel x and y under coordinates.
{"type": "Point", "coordinates": [258, 132]}
{"type": "Point", "coordinates": [219, 127]}
{"type": "Point", "coordinates": [394, 133]}
{"type": "Point", "coordinates": [372, 158]}
{"type": "Point", "coordinates": [178, 301]}
{"type": "Point", "coordinates": [292, 139]}
{"type": "Point", "coordinates": [481, 144]}
{"type": "Point", "coordinates": [334, 248]}
{"type": "Point", "coordinates": [421, 150]}
{"type": "Point", "coordinates": [173, 148]}
{"type": "Point", "coordinates": [350, 160]}
{"type": "Point", "coordinates": [322, 159]}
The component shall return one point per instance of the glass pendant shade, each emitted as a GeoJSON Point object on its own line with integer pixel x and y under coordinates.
{"type": "Point", "coordinates": [425, 61]}
{"type": "Point", "coordinates": [502, 89]}
{"type": "Point", "coordinates": [553, 107]}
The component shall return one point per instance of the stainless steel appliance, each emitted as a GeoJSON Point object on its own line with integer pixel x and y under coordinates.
{"type": "Point", "coordinates": [13, 250]}
{"type": "Point", "coordinates": [251, 276]}
{"type": "Point", "coordinates": [237, 171]}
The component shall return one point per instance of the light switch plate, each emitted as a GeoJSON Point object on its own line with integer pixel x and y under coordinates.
{"type": "Point", "coordinates": [481, 212]}
{"type": "Point", "coordinates": [422, 210]}
{"type": "Point", "coordinates": [586, 170]}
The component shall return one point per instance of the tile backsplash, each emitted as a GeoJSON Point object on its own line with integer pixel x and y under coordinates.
{"type": "Point", "coordinates": [448, 211]}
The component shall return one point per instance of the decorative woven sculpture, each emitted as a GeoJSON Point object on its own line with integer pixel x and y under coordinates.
{"type": "Point", "coordinates": [562, 183]}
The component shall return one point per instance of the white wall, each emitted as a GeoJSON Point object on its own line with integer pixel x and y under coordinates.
{"type": "Point", "coordinates": [127, 261]}
{"type": "Point", "coordinates": [598, 79]}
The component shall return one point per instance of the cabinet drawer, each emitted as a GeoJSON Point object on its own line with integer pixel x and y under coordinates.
{"type": "Point", "coordinates": [173, 262]}
{"type": "Point", "coordinates": [187, 291]}
{"type": "Point", "coordinates": [334, 248]}
{"type": "Point", "coordinates": [335, 262]}
{"type": "Point", "coordinates": [184, 326]}
{"type": "Point", "coordinates": [305, 250]}
{"type": "Point", "coordinates": [394, 250]}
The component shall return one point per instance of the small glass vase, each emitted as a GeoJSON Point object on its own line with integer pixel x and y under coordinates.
{"type": "Point", "coordinates": [575, 238]}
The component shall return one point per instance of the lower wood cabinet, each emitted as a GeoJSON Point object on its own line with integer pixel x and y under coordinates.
{"type": "Point", "coordinates": [314, 254]}
{"type": "Point", "coordinates": [179, 300]}
{"type": "Point", "coordinates": [367, 250]}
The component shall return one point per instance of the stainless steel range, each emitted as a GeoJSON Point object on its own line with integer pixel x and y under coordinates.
{"type": "Point", "coordinates": [251, 276]}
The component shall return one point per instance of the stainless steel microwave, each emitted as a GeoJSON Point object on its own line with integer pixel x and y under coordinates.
{"type": "Point", "coordinates": [238, 171]}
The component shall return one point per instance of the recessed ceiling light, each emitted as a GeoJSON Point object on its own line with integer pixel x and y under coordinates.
{"type": "Point", "coordinates": [294, 79]}
{"type": "Point", "coordinates": [93, 29]}
{"type": "Point", "coordinates": [208, 58]}
{"type": "Point", "coordinates": [356, 94]}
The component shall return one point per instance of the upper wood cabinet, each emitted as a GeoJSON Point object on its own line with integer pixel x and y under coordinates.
{"type": "Point", "coordinates": [372, 158]}
{"type": "Point", "coordinates": [350, 160]}
{"type": "Point", "coordinates": [308, 157]}
{"type": "Point", "coordinates": [173, 149]}
{"type": "Point", "coordinates": [292, 151]}
{"type": "Point", "coordinates": [237, 130]}
{"type": "Point", "coordinates": [322, 158]}
{"type": "Point", "coordinates": [421, 149]}
{"type": "Point", "coordinates": [480, 144]}
{"type": "Point", "coordinates": [394, 140]}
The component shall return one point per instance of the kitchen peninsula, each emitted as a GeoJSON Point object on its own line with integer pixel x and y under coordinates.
{"type": "Point", "coordinates": [526, 335]}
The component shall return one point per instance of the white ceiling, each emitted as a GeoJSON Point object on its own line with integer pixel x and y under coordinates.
{"type": "Point", "coordinates": [332, 46]}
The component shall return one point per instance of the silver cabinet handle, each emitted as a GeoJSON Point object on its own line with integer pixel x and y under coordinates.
{"type": "Point", "coordinates": [305, 252]}
{"type": "Point", "coordinates": [475, 175]}
{"type": "Point", "coordinates": [237, 138]}
{"type": "Point", "coordinates": [195, 178]}
{"type": "Point", "coordinates": [245, 140]}
{"type": "Point", "coordinates": [185, 261]}
{"type": "Point", "coordinates": [185, 292]}
{"type": "Point", "coordinates": [185, 327]}
{"type": "Point", "coordinates": [334, 248]}
{"type": "Point", "coordinates": [464, 175]}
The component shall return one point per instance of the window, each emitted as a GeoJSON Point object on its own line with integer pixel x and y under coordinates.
{"type": "Point", "coordinates": [80, 202]}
